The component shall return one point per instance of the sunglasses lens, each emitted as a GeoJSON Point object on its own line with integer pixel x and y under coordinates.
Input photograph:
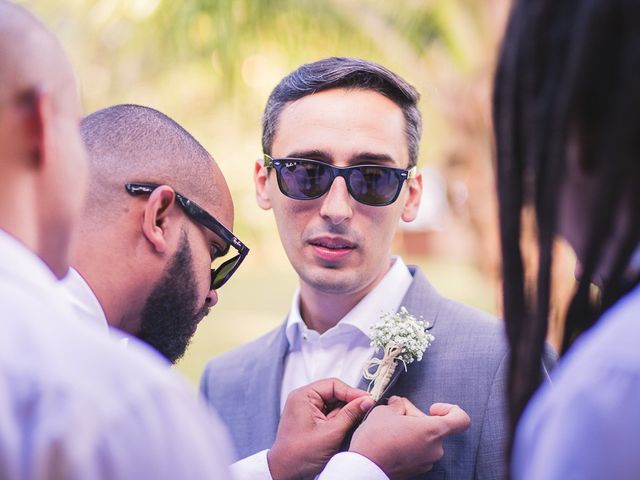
{"type": "Point", "coordinates": [306, 179]}
{"type": "Point", "coordinates": [374, 185]}
{"type": "Point", "coordinates": [220, 275]}
{"type": "Point", "coordinates": [303, 180]}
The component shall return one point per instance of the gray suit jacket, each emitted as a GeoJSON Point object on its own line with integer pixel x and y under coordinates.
{"type": "Point", "coordinates": [465, 365]}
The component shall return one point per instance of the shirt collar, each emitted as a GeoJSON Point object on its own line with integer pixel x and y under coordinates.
{"type": "Point", "coordinates": [79, 294]}
{"type": "Point", "coordinates": [385, 297]}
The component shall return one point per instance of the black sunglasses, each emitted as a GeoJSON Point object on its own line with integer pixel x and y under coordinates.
{"type": "Point", "coordinates": [222, 273]}
{"type": "Point", "coordinates": [303, 179]}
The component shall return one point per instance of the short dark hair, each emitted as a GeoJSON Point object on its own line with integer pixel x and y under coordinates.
{"type": "Point", "coordinates": [567, 72]}
{"type": "Point", "coordinates": [341, 72]}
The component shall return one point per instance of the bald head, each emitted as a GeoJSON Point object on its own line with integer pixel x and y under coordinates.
{"type": "Point", "coordinates": [127, 143]}
{"type": "Point", "coordinates": [30, 57]}
{"type": "Point", "coordinates": [41, 153]}
{"type": "Point", "coordinates": [153, 273]}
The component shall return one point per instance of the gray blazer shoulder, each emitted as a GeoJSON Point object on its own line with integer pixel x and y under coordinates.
{"type": "Point", "coordinates": [237, 363]}
{"type": "Point", "coordinates": [244, 385]}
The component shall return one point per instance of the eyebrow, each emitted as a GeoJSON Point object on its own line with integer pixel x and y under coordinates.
{"type": "Point", "coordinates": [360, 157]}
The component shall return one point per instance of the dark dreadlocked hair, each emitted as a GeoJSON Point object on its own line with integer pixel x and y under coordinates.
{"type": "Point", "coordinates": [568, 70]}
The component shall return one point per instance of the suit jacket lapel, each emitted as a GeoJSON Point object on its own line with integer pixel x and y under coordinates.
{"type": "Point", "coordinates": [420, 297]}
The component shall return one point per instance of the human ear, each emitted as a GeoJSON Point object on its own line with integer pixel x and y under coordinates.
{"type": "Point", "coordinates": [412, 202]}
{"type": "Point", "coordinates": [261, 178]}
{"type": "Point", "coordinates": [36, 115]}
{"type": "Point", "coordinates": [159, 223]}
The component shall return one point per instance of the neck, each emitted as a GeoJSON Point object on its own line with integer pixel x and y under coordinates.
{"type": "Point", "coordinates": [119, 291]}
{"type": "Point", "coordinates": [20, 217]}
{"type": "Point", "coordinates": [322, 311]}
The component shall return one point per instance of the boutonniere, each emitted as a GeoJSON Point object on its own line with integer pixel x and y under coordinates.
{"type": "Point", "coordinates": [402, 338]}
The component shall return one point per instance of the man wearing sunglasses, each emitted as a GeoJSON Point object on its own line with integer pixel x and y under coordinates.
{"type": "Point", "coordinates": [340, 142]}
{"type": "Point", "coordinates": [149, 258]}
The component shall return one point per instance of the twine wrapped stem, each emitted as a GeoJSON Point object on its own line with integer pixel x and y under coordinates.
{"type": "Point", "coordinates": [383, 369]}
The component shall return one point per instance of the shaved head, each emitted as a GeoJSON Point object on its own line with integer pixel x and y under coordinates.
{"type": "Point", "coordinates": [128, 143]}
{"type": "Point", "coordinates": [152, 282]}
{"type": "Point", "coordinates": [41, 152]}
{"type": "Point", "coordinates": [30, 56]}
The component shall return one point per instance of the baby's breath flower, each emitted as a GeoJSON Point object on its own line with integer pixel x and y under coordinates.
{"type": "Point", "coordinates": [402, 338]}
{"type": "Point", "coordinates": [405, 331]}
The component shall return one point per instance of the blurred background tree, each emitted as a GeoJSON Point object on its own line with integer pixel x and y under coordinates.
{"type": "Point", "coordinates": [211, 64]}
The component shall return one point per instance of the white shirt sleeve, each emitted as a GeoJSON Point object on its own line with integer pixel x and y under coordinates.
{"type": "Point", "coordinates": [351, 466]}
{"type": "Point", "coordinates": [254, 467]}
{"type": "Point", "coordinates": [343, 466]}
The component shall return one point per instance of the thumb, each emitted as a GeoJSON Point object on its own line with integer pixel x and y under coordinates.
{"type": "Point", "coordinates": [455, 418]}
{"type": "Point", "coordinates": [352, 412]}
{"type": "Point", "coordinates": [440, 409]}
{"type": "Point", "coordinates": [398, 405]}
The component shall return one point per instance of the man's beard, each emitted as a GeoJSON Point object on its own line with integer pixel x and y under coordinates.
{"type": "Point", "coordinates": [171, 314]}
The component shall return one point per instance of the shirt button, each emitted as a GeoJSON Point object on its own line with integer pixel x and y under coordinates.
{"type": "Point", "coordinates": [305, 336]}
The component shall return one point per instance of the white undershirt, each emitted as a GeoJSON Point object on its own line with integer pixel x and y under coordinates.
{"type": "Point", "coordinates": [343, 350]}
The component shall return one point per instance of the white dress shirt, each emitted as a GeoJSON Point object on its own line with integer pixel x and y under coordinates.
{"type": "Point", "coordinates": [74, 405]}
{"type": "Point", "coordinates": [343, 350]}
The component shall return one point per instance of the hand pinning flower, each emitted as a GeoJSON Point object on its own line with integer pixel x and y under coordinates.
{"type": "Point", "coordinates": [402, 338]}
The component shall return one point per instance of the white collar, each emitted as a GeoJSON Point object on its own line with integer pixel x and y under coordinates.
{"type": "Point", "coordinates": [385, 297]}
{"type": "Point", "coordinates": [79, 294]}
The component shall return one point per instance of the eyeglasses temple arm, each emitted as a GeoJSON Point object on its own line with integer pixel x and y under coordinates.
{"type": "Point", "coordinates": [268, 161]}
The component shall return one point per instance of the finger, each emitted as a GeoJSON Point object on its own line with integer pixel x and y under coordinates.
{"type": "Point", "coordinates": [397, 405]}
{"type": "Point", "coordinates": [332, 390]}
{"type": "Point", "coordinates": [411, 410]}
{"type": "Point", "coordinates": [456, 420]}
{"type": "Point", "coordinates": [440, 409]}
{"type": "Point", "coordinates": [351, 413]}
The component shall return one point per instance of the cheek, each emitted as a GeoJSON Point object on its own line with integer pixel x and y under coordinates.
{"type": "Point", "coordinates": [292, 217]}
{"type": "Point", "coordinates": [202, 271]}
{"type": "Point", "coordinates": [378, 226]}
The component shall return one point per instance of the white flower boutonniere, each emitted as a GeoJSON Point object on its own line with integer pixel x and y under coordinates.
{"type": "Point", "coordinates": [402, 338]}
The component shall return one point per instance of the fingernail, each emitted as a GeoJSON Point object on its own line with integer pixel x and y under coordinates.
{"type": "Point", "coordinates": [367, 404]}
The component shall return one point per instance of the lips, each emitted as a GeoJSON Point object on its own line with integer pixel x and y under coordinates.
{"type": "Point", "coordinates": [331, 249]}
{"type": "Point", "coordinates": [332, 243]}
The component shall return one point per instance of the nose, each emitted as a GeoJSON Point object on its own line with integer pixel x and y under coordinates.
{"type": "Point", "coordinates": [336, 205]}
{"type": "Point", "coordinates": [212, 298]}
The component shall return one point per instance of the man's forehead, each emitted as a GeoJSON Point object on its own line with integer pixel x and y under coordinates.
{"type": "Point", "coordinates": [352, 125]}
